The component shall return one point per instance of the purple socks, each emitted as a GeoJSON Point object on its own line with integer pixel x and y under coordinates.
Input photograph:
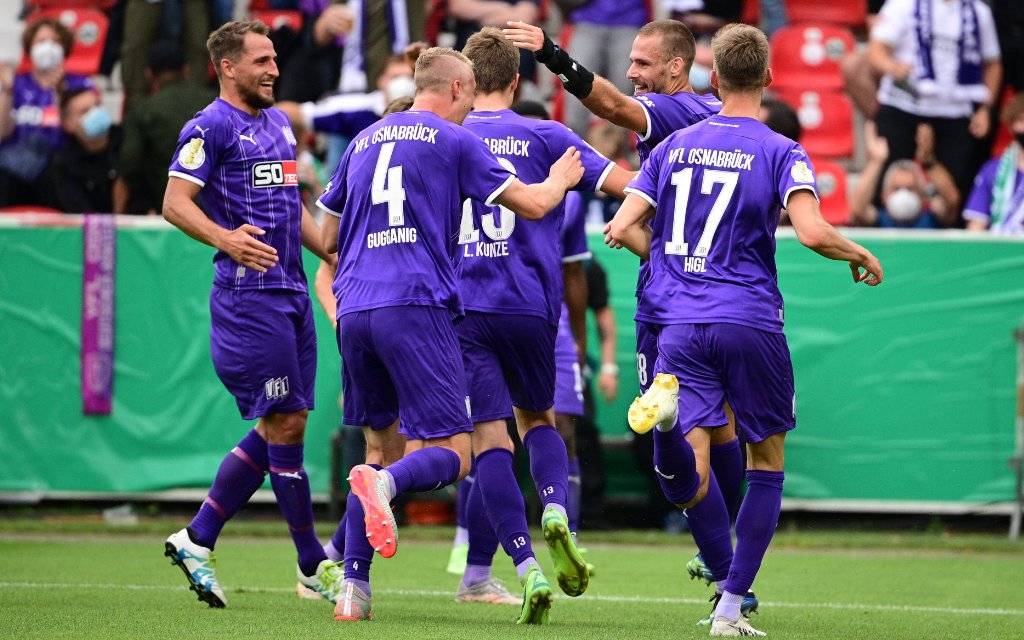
{"type": "Point", "coordinates": [335, 549]}
{"type": "Point", "coordinates": [358, 552]}
{"type": "Point", "coordinates": [424, 470]}
{"type": "Point", "coordinates": [709, 524]}
{"type": "Point", "coordinates": [575, 485]}
{"type": "Point", "coordinates": [755, 526]}
{"type": "Point", "coordinates": [483, 543]}
{"type": "Point", "coordinates": [239, 476]}
{"type": "Point", "coordinates": [503, 503]}
{"type": "Point", "coordinates": [727, 465]}
{"type": "Point", "coordinates": [549, 465]}
{"type": "Point", "coordinates": [291, 486]}
{"type": "Point", "coordinates": [675, 466]}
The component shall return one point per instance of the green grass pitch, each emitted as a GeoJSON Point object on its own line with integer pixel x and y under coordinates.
{"type": "Point", "coordinates": [88, 584]}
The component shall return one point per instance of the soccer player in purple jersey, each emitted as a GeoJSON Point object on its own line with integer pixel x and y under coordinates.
{"type": "Point", "coordinates": [238, 156]}
{"type": "Point", "coordinates": [714, 291]}
{"type": "Point", "coordinates": [395, 204]}
{"type": "Point", "coordinates": [662, 102]}
{"type": "Point", "coordinates": [510, 277]}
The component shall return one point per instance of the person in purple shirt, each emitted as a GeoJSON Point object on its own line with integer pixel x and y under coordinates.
{"type": "Point", "coordinates": [238, 156]}
{"type": "Point", "coordinates": [714, 292]}
{"type": "Point", "coordinates": [510, 277]}
{"type": "Point", "coordinates": [30, 131]}
{"type": "Point", "coordinates": [662, 102]}
{"type": "Point", "coordinates": [395, 206]}
{"type": "Point", "coordinates": [996, 201]}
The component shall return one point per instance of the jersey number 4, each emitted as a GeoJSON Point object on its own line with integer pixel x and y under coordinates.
{"type": "Point", "coordinates": [387, 186]}
{"type": "Point", "coordinates": [677, 245]}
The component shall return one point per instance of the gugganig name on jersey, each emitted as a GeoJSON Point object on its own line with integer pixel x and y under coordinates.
{"type": "Point", "coordinates": [416, 132]}
{"type": "Point", "coordinates": [275, 173]}
{"type": "Point", "coordinates": [712, 158]}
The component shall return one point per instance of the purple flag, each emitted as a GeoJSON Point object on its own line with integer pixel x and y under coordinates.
{"type": "Point", "coordinates": [99, 234]}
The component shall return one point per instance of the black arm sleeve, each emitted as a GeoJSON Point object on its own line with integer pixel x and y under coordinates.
{"type": "Point", "coordinates": [576, 78]}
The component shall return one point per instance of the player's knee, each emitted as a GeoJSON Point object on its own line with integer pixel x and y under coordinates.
{"type": "Point", "coordinates": [286, 428]}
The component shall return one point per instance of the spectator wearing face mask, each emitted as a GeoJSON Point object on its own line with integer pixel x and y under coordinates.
{"type": "Point", "coordinates": [996, 202]}
{"type": "Point", "coordinates": [916, 194]}
{"type": "Point", "coordinates": [30, 131]}
{"type": "Point", "coordinates": [81, 177]}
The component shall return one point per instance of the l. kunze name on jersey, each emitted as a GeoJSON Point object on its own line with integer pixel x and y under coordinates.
{"type": "Point", "coordinates": [392, 235]}
{"type": "Point", "coordinates": [485, 250]}
{"type": "Point", "coordinates": [712, 158]}
{"type": "Point", "coordinates": [416, 132]}
{"type": "Point", "coordinates": [508, 146]}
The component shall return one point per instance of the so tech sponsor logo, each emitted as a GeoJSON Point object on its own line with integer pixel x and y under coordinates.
{"type": "Point", "coordinates": [276, 173]}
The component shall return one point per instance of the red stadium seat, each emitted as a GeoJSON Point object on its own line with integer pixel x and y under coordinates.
{"type": "Point", "coordinates": [831, 177]}
{"type": "Point", "coordinates": [279, 19]}
{"type": "Point", "coordinates": [827, 121]}
{"type": "Point", "coordinates": [850, 13]}
{"type": "Point", "coordinates": [807, 56]}
{"type": "Point", "coordinates": [90, 29]}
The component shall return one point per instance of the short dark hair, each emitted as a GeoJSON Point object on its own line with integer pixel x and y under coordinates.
{"type": "Point", "coordinates": [495, 60]}
{"type": "Point", "coordinates": [228, 41]}
{"type": "Point", "coordinates": [67, 96]}
{"type": "Point", "coordinates": [64, 35]}
{"type": "Point", "coordinates": [530, 109]}
{"type": "Point", "coordinates": [676, 40]}
{"type": "Point", "coordinates": [782, 118]}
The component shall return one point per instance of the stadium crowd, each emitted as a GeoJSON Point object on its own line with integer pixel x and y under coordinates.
{"type": "Point", "coordinates": [877, 56]}
{"type": "Point", "coordinates": [433, 395]}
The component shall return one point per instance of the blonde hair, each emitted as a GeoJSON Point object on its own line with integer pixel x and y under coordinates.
{"type": "Point", "coordinates": [741, 57]}
{"type": "Point", "coordinates": [437, 67]}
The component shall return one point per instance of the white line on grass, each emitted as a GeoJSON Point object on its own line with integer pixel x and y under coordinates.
{"type": "Point", "coordinates": [620, 599]}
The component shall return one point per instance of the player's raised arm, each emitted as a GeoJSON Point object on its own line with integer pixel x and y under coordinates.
{"type": "Point", "coordinates": [598, 95]}
{"type": "Point", "coordinates": [822, 238]}
{"type": "Point", "coordinates": [181, 211]}
{"type": "Point", "coordinates": [629, 229]}
{"type": "Point", "coordinates": [533, 201]}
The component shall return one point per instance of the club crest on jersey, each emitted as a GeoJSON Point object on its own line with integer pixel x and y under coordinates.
{"type": "Point", "coordinates": [277, 173]}
{"type": "Point", "coordinates": [192, 156]}
{"type": "Point", "coordinates": [289, 135]}
{"type": "Point", "coordinates": [801, 172]}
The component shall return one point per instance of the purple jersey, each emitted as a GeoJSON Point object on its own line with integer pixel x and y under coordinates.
{"type": "Point", "coordinates": [345, 114]}
{"type": "Point", "coordinates": [399, 192]}
{"type": "Point", "coordinates": [246, 168]}
{"type": "Point", "coordinates": [979, 202]}
{"type": "Point", "coordinates": [573, 236]}
{"type": "Point", "coordinates": [37, 134]}
{"type": "Point", "coordinates": [613, 13]}
{"type": "Point", "coordinates": [718, 187]}
{"type": "Point", "coordinates": [667, 114]}
{"type": "Point", "coordinates": [508, 265]}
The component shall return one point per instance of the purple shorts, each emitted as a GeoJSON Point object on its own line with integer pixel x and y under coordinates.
{"type": "Point", "coordinates": [404, 362]}
{"type": "Point", "coordinates": [646, 353]}
{"type": "Point", "coordinates": [749, 368]}
{"type": "Point", "coordinates": [510, 361]}
{"type": "Point", "coordinates": [353, 413]}
{"type": "Point", "coordinates": [263, 345]}
{"type": "Point", "coordinates": [568, 381]}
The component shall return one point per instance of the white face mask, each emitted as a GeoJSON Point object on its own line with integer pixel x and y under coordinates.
{"type": "Point", "coordinates": [903, 205]}
{"type": "Point", "coordinates": [46, 55]}
{"type": "Point", "coordinates": [400, 87]}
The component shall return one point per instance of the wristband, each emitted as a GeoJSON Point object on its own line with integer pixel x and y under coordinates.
{"type": "Point", "coordinates": [576, 78]}
{"type": "Point", "coordinates": [611, 368]}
